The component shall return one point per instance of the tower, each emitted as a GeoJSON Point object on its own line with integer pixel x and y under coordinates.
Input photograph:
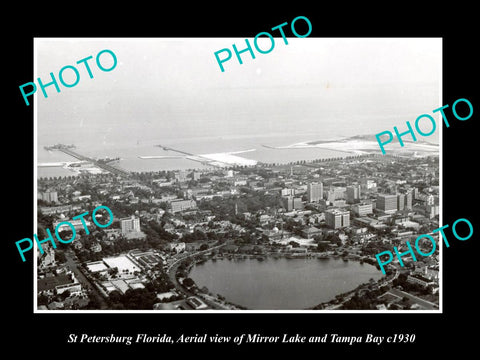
{"type": "Point", "coordinates": [387, 203]}
{"type": "Point", "coordinates": [314, 192]}
{"type": "Point", "coordinates": [353, 193]}
{"type": "Point", "coordinates": [337, 218]}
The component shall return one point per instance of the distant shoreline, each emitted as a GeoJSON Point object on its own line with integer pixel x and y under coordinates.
{"type": "Point", "coordinates": [359, 145]}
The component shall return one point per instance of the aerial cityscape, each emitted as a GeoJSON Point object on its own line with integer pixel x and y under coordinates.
{"type": "Point", "coordinates": [282, 236]}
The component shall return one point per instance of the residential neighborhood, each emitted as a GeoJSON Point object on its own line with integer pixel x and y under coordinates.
{"type": "Point", "coordinates": [165, 222]}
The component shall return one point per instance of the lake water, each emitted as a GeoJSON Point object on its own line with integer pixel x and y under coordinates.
{"type": "Point", "coordinates": [281, 284]}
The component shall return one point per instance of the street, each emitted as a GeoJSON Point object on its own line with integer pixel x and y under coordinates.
{"type": "Point", "coordinates": [86, 284]}
{"type": "Point", "coordinates": [423, 303]}
{"type": "Point", "coordinates": [172, 270]}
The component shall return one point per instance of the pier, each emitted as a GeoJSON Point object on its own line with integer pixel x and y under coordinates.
{"type": "Point", "coordinates": [67, 149]}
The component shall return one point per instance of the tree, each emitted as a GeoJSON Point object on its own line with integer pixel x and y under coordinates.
{"type": "Point", "coordinates": [65, 294]}
{"type": "Point", "coordinates": [118, 306]}
{"type": "Point", "coordinates": [94, 303]}
{"type": "Point", "coordinates": [60, 257]}
{"type": "Point", "coordinates": [322, 247]}
{"type": "Point", "coordinates": [42, 300]}
{"type": "Point", "coordinates": [113, 272]}
{"type": "Point", "coordinates": [136, 299]}
{"type": "Point", "coordinates": [188, 282]}
{"type": "Point", "coordinates": [115, 297]}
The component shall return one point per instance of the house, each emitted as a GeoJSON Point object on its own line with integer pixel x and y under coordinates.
{"type": "Point", "coordinates": [166, 296]}
{"type": "Point", "coordinates": [177, 247]}
{"type": "Point", "coordinates": [230, 248]}
{"type": "Point", "coordinates": [73, 288]}
{"type": "Point", "coordinates": [196, 303]}
{"type": "Point", "coordinates": [273, 235]}
{"type": "Point", "coordinates": [419, 279]}
{"type": "Point", "coordinates": [49, 285]}
{"type": "Point", "coordinates": [96, 247]}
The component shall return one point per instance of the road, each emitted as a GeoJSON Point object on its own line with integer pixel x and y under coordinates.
{"type": "Point", "coordinates": [397, 273]}
{"type": "Point", "coordinates": [349, 296]}
{"type": "Point", "coordinates": [86, 284]}
{"type": "Point", "coordinates": [423, 303]}
{"type": "Point", "coordinates": [193, 254]}
{"type": "Point", "coordinates": [172, 270]}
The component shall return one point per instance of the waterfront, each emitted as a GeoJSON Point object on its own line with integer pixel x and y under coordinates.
{"type": "Point", "coordinates": [129, 153]}
{"type": "Point", "coordinates": [281, 284]}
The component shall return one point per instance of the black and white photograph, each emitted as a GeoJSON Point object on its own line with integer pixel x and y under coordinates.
{"type": "Point", "coordinates": [260, 187]}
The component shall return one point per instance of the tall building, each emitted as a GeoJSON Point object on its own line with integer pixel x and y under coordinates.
{"type": "Point", "coordinates": [430, 200]}
{"type": "Point", "coordinates": [181, 176]}
{"type": "Point", "coordinates": [336, 193]}
{"type": "Point", "coordinates": [416, 193]}
{"type": "Point", "coordinates": [353, 193]}
{"type": "Point", "coordinates": [400, 201]}
{"type": "Point", "coordinates": [314, 192]}
{"type": "Point", "coordinates": [387, 203]}
{"type": "Point", "coordinates": [50, 196]}
{"type": "Point", "coordinates": [297, 203]}
{"type": "Point", "coordinates": [130, 224]}
{"type": "Point", "coordinates": [196, 175]}
{"type": "Point", "coordinates": [291, 202]}
{"type": "Point", "coordinates": [336, 218]}
{"type": "Point", "coordinates": [368, 184]}
{"type": "Point", "coordinates": [288, 202]}
{"type": "Point", "coordinates": [322, 204]}
{"type": "Point", "coordinates": [288, 191]}
{"type": "Point", "coordinates": [432, 211]}
{"type": "Point", "coordinates": [408, 200]}
{"type": "Point", "coordinates": [362, 209]}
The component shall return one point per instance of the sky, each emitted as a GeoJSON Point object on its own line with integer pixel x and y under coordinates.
{"type": "Point", "coordinates": [189, 64]}
{"type": "Point", "coordinates": [174, 87]}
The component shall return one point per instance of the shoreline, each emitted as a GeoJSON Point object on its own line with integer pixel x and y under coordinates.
{"type": "Point", "coordinates": [242, 256]}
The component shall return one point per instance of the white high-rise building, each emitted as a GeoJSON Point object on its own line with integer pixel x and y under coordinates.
{"type": "Point", "coordinates": [336, 218]}
{"type": "Point", "coordinates": [130, 224]}
{"type": "Point", "coordinates": [314, 192]}
{"type": "Point", "coordinates": [387, 203]}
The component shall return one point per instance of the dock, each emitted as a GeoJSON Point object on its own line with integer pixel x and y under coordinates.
{"type": "Point", "coordinates": [67, 149]}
